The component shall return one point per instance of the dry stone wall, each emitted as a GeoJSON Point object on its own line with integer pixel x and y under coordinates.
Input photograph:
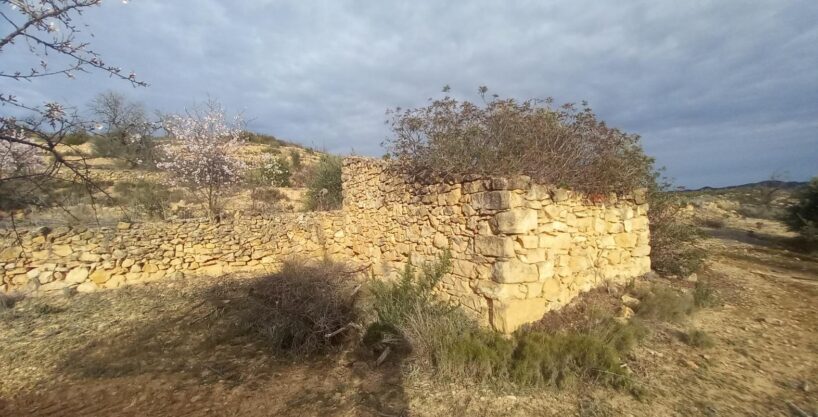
{"type": "Point", "coordinates": [518, 248]}
{"type": "Point", "coordinates": [108, 257]}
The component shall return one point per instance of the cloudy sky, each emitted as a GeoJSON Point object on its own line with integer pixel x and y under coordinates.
{"type": "Point", "coordinates": [723, 92]}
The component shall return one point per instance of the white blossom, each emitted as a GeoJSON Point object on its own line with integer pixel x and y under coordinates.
{"type": "Point", "coordinates": [204, 153]}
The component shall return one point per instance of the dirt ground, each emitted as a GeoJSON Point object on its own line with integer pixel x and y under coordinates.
{"type": "Point", "coordinates": [162, 350]}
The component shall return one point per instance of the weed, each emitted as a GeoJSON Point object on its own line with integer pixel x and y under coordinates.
{"type": "Point", "coordinates": [76, 138]}
{"type": "Point", "coordinates": [704, 295]}
{"type": "Point", "coordinates": [8, 300]}
{"type": "Point", "coordinates": [324, 189]}
{"type": "Point", "coordinates": [594, 407]}
{"type": "Point", "coordinates": [45, 309]}
{"type": "Point", "coordinates": [146, 197]}
{"type": "Point", "coordinates": [698, 338]}
{"type": "Point", "coordinates": [713, 223]}
{"type": "Point", "coordinates": [665, 304]}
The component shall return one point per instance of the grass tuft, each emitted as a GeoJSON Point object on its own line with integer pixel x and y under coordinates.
{"type": "Point", "coordinates": [666, 304]}
{"type": "Point", "coordinates": [698, 338]}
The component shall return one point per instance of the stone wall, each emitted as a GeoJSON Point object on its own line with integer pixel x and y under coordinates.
{"type": "Point", "coordinates": [519, 249]}
{"type": "Point", "coordinates": [108, 257]}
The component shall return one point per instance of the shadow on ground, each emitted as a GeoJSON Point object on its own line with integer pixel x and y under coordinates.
{"type": "Point", "coordinates": [186, 355]}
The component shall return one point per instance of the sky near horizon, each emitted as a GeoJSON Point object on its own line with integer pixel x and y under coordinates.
{"type": "Point", "coordinates": [722, 92]}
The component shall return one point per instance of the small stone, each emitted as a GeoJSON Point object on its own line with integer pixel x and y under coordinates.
{"type": "Point", "coordinates": [625, 314]}
{"type": "Point", "coordinates": [629, 301]}
{"type": "Point", "coordinates": [692, 278]}
{"type": "Point", "coordinates": [123, 226]}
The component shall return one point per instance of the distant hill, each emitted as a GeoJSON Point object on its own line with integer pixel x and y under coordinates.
{"type": "Point", "coordinates": [765, 184]}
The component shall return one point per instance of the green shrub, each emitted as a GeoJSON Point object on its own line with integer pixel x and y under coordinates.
{"type": "Point", "coordinates": [141, 153]}
{"type": "Point", "coordinates": [76, 138]}
{"type": "Point", "coordinates": [559, 360]}
{"type": "Point", "coordinates": [149, 198]}
{"type": "Point", "coordinates": [295, 159]}
{"type": "Point", "coordinates": [444, 339]}
{"type": "Point", "coordinates": [802, 216]}
{"type": "Point", "coordinates": [324, 189]}
{"type": "Point", "coordinates": [665, 304]}
{"type": "Point", "coordinates": [704, 295]}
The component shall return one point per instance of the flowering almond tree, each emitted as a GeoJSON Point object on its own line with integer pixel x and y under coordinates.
{"type": "Point", "coordinates": [203, 155]}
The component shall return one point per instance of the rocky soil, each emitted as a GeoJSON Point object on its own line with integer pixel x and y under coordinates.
{"type": "Point", "coordinates": [163, 349]}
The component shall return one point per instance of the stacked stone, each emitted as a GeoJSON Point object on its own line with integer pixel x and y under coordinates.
{"type": "Point", "coordinates": [108, 257]}
{"type": "Point", "coordinates": [519, 248]}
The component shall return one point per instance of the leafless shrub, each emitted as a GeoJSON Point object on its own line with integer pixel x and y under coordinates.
{"type": "Point", "coordinates": [672, 241]}
{"type": "Point", "coordinates": [299, 310]}
{"type": "Point", "coordinates": [566, 145]}
{"type": "Point", "coordinates": [266, 199]}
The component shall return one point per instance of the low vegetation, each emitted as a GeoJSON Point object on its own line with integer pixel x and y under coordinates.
{"type": "Point", "coordinates": [146, 198]}
{"type": "Point", "coordinates": [803, 215]}
{"type": "Point", "coordinates": [565, 146]}
{"type": "Point", "coordinates": [324, 189]}
{"type": "Point", "coordinates": [698, 338]}
{"type": "Point", "coordinates": [266, 199]}
{"type": "Point", "coordinates": [672, 240]}
{"type": "Point", "coordinates": [444, 339]}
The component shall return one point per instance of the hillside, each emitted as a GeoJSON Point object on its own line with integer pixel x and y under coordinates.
{"type": "Point", "coordinates": [128, 192]}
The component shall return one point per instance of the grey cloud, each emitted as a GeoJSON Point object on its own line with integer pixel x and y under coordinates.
{"type": "Point", "coordinates": [722, 91]}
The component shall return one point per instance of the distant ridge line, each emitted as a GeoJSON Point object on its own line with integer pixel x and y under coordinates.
{"type": "Point", "coordinates": [768, 183]}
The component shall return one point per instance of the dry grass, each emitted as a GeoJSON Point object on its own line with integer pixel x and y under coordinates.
{"type": "Point", "coordinates": [698, 338]}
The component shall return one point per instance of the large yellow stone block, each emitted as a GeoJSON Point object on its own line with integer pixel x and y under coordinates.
{"type": "Point", "coordinates": [509, 315]}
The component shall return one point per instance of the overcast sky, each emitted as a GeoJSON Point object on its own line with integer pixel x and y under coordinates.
{"type": "Point", "coordinates": [722, 92]}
